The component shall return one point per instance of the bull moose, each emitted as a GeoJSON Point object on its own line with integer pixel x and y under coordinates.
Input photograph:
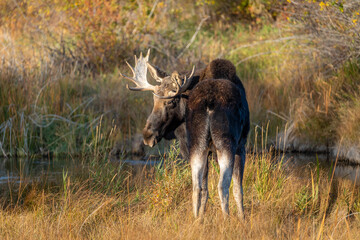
{"type": "Point", "coordinates": [207, 108]}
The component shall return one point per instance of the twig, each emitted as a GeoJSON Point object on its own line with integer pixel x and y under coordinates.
{"type": "Point", "coordinates": [151, 13]}
{"type": "Point", "coordinates": [3, 151]}
{"type": "Point", "coordinates": [161, 51]}
{"type": "Point", "coordinates": [260, 54]}
{"type": "Point", "coordinates": [254, 56]}
{"type": "Point", "coordinates": [267, 41]}
{"type": "Point", "coordinates": [97, 209]}
{"type": "Point", "coordinates": [193, 37]}
{"type": "Point", "coordinates": [279, 116]}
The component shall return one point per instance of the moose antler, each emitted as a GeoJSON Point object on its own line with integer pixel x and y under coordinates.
{"type": "Point", "coordinates": [139, 72]}
{"type": "Point", "coordinates": [140, 79]}
{"type": "Point", "coordinates": [181, 85]}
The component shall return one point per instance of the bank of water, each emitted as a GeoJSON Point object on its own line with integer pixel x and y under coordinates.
{"type": "Point", "coordinates": [50, 169]}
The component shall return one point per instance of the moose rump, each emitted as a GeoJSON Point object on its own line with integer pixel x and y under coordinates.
{"type": "Point", "coordinates": [217, 114]}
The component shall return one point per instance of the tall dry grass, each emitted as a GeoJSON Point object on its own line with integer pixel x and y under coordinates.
{"type": "Point", "coordinates": [322, 117]}
{"type": "Point", "coordinates": [60, 63]}
{"type": "Point", "coordinates": [280, 202]}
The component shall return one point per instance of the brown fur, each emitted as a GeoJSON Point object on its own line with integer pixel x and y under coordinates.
{"type": "Point", "coordinates": [219, 69]}
{"type": "Point", "coordinates": [214, 92]}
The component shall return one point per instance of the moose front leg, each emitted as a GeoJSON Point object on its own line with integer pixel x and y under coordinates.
{"type": "Point", "coordinates": [180, 134]}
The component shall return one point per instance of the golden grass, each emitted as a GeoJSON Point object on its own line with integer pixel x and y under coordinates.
{"type": "Point", "coordinates": [280, 203]}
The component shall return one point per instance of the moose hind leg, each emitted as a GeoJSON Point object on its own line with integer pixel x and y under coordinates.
{"type": "Point", "coordinates": [238, 172]}
{"type": "Point", "coordinates": [204, 189]}
{"type": "Point", "coordinates": [226, 163]}
{"type": "Point", "coordinates": [198, 165]}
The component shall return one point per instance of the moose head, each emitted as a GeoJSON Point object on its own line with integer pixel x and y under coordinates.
{"type": "Point", "coordinates": [169, 110]}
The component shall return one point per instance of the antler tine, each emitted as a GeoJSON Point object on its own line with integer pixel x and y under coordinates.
{"type": "Point", "coordinates": [147, 55]}
{"type": "Point", "coordinates": [185, 84]}
{"type": "Point", "coordinates": [192, 72]}
{"type": "Point", "coordinates": [129, 78]}
{"type": "Point", "coordinates": [153, 73]}
{"type": "Point", "coordinates": [131, 68]}
{"type": "Point", "coordinates": [139, 74]}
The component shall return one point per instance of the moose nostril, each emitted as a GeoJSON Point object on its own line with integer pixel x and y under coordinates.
{"type": "Point", "coordinates": [147, 126]}
{"type": "Point", "coordinates": [147, 132]}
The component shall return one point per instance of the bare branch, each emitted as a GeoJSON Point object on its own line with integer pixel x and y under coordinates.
{"type": "Point", "coordinates": [192, 38]}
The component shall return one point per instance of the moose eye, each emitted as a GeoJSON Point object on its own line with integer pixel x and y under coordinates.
{"type": "Point", "coordinates": [171, 103]}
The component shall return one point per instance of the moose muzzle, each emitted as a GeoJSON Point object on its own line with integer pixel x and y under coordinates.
{"type": "Point", "coordinates": [149, 136]}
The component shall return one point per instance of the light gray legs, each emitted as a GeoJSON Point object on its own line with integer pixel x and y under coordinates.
{"type": "Point", "coordinates": [230, 166]}
{"type": "Point", "coordinates": [226, 163]}
{"type": "Point", "coordinates": [204, 189]}
{"type": "Point", "coordinates": [237, 180]}
{"type": "Point", "coordinates": [198, 166]}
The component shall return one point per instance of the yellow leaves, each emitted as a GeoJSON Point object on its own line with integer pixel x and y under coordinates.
{"type": "Point", "coordinates": [206, 2]}
{"type": "Point", "coordinates": [355, 18]}
{"type": "Point", "coordinates": [210, 2]}
{"type": "Point", "coordinates": [30, 9]}
{"type": "Point", "coordinates": [160, 5]}
{"type": "Point", "coordinates": [289, 1]}
{"type": "Point", "coordinates": [322, 5]}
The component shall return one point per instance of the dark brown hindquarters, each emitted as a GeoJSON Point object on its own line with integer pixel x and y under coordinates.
{"type": "Point", "coordinates": [217, 112]}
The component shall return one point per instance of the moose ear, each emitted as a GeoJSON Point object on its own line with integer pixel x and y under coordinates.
{"type": "Point", "coordinates": [156, 73]}
{"type": "Point", "coordinates": [171, 93]}
{"type": "Point", "coordinates": [175, 77]}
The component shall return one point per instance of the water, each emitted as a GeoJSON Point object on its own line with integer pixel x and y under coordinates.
{"type": "Point", "coordinates": [300, 163]}
{"type": "Point", "coordinates": [22, 169]}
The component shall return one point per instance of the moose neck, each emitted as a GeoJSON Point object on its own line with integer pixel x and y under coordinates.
{"type": "Point", "coordinates": [183, 104]}
{"type": "Point", "coordinates": [180, 131]}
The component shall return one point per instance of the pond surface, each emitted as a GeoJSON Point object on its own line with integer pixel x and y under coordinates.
{"type": "Point", "coordinates": [299, 163]}
{"type": "Point", "coordinates": [17, 169]}
{"type": "Point", "coordinates": [22, 169]}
